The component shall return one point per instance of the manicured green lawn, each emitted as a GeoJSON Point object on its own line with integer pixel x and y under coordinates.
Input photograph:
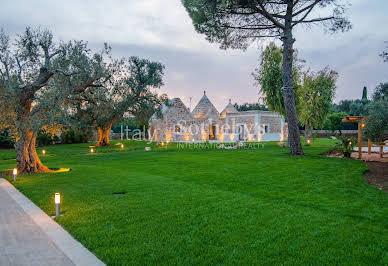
{"type": "Point", "coordinates": [211, 206]}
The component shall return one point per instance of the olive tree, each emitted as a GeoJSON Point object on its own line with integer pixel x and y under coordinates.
{"type": "Point", "coordinates": [128, 91]}
{"type": "Point", "coordinates": [377, 121]}
{"type": "Point", "coordinates": [37, 85]}
{"type": "Point", "coordinates": [238, 23]}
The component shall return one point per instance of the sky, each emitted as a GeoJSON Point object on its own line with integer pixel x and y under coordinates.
{"type": "Point", "coordinates": [161, 30]}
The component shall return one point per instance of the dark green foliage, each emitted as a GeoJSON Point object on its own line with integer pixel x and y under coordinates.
{"type": "Point", "coordinates": [45, 138]}
{"type": "Point", "coordinates": [377, 120]}
{"type": "Point", "coordinates": [6, 141]}
{"type": "Point", "coordinates": [72, 135]}
{"type": "Point", "coordinates": [333, 121]}
{"type": "Point", "coordinates": [250, 106]}
{"type": "Point", "coordinates": [353, 107]}
{"type": "Point", "coordinates": [381, 92]}
{"type": "Point", "coordinates": [365, 94]}
{"type": "Point", "coordinates": [130, 122]}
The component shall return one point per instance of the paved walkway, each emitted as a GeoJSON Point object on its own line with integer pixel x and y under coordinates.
{"type": "Point", "coordinates": [29, 237]}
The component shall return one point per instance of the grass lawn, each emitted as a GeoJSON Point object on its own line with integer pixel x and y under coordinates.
{"type": "Point", "coordinates": [211, 206]}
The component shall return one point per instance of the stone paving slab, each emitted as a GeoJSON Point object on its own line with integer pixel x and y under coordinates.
{"type": "Point", "coordinates": [28, 236]}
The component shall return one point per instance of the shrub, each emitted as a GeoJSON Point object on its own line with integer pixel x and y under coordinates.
{"type": "Point", "coordinates": [72, 135]}
{"type": "Point", "coordinates": [6, 141]}
{"type": "Point", "coordinates": [346, 146]}
{"type": "Point", "coordinates": [334, 122]}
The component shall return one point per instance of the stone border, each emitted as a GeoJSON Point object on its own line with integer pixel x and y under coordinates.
{"type": "Point", "coordinates": [74, 250]}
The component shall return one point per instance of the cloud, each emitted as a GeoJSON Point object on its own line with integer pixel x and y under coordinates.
{"type": "Point", "coordinates": [161, 30]}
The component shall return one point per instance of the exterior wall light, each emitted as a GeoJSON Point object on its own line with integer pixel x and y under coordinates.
{"type": "Point", "coordinates": [57, 200]}
{"type": "Point", "coordinates": [15, 173]}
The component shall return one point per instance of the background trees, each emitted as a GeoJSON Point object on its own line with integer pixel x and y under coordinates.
{"type": "Point", "coordinates": [250, 106]}
{"type": "Point", "coordinates": [236, 24]}
{"type": "Point", "coordinates": [334, 122]}
{"type": "Point", "coordinates": [377, 121]}
{"type": "Point", "coordinates": [316, 97]}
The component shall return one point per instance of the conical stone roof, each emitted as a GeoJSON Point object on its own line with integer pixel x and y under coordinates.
{"type": "Point", "coordinates": [228, 109]}
{"type": "Point", "coordinates": [205, 109]}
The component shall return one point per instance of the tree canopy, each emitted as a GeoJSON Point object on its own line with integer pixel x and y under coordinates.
{"type": "Point", "coordinates": [316, 98]}
{"type": "Point", "coordinates": [130, 91]}
{"type": "Point", "coordinates": [377, 121]}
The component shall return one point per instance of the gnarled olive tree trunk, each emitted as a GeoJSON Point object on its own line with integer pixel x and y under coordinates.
{"type": "Point", "coordinates": [27, 157]}
{"type": "Point", "coordinates": [103, 135]}
{"type": "Point", "coordinates": [288, 89]}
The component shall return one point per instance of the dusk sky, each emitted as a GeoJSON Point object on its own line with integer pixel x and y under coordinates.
{"type": "Point", "coordinates": [161, 30]}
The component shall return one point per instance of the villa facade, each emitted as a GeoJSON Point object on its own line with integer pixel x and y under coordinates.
{"type": "Point", "coordinates": [205, 123]}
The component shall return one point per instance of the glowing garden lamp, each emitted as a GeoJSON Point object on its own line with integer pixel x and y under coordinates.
{"type": "Point", "coordinates": [44, 152]}
{"type": "Point", "coordinates": [57, 200]}
{"type": "Point", "coordinates": [122, 146]}
{"type": "Point", "coordinates": [15, 173]}
{"type": "Point", "coordinates": [350, 143]}
{"type": "Point", "coordinates": [308, 141]}
{"type": "Point", "coordinates": [91, 150]}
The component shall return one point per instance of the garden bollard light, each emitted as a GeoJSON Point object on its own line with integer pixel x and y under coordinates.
{"type": "Point", "coordinates": [44, 153]}
{"type": "Point", "coordinates": [15, 172]}
{"type": "Point", "coordinates": [57, 199]}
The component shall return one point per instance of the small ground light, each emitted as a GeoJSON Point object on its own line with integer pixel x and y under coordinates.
{"type": "Point", "coordinates": [57, 199]}
{"type": "Point", "coordinates": [91, 150]}
{"type": "Point", "coordinates": [350, 143]}
{"type": "Point", "coordinates": [44, 153]}
{"type": "Point", "coordinates": [122, 146]}
{"type": "Point", "coordinates": [308, 141]}
{"type": "Point", "coordinates": [15, 173]}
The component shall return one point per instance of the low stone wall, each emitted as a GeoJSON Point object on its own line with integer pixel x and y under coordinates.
{"type": "Point", "coordinates": [346, 133]}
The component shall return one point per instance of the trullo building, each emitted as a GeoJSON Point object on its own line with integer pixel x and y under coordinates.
{"type": "Point", "coordinates": [205, 123]}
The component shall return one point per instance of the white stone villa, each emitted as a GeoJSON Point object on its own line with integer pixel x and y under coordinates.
{"type": "Point", "coordinates": [205, 123]}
